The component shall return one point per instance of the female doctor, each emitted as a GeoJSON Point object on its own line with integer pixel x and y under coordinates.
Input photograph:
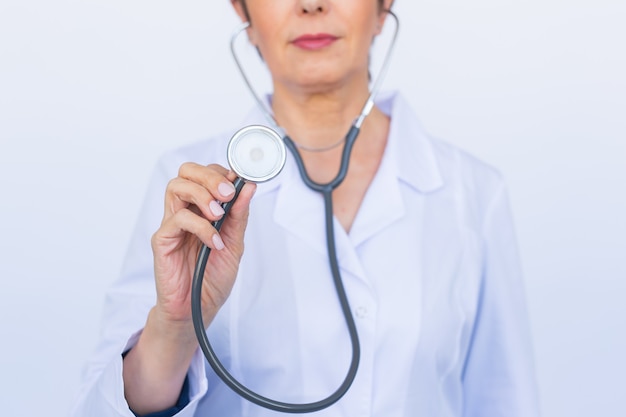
{"type": "Point", "coordinates": [424, 239]}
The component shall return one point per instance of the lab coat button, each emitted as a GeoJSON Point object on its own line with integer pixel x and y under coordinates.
{"type": "Point", "coordinates": [361, 312]}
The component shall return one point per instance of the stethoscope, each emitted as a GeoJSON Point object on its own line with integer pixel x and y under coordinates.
{"type": "Point", "coordinates": [258, 153]}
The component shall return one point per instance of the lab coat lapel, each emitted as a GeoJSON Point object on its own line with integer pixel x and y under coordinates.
{"type": "Point", "coordinates": [300, 212]}
{"type": "Point", "coordinates": [381, 206]}
{"type": "Point", "coordinates": [409, 160]}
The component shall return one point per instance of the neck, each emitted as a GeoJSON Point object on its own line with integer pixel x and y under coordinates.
{"type": "Point", "coordinates": [320, 119]}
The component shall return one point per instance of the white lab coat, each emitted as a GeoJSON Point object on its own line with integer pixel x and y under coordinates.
{"type": "Point", "coordinates": [430, 267]}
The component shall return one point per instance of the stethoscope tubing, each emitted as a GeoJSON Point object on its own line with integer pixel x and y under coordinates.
{"type": "Point", "coordinates": [325, 188]}
{"type": "Point", "coordinates": [212, 358]}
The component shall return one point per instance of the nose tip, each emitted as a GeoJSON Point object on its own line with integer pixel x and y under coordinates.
{"type": "Point", "coordinates": [312, 6]}
{"type": "Point", "coordinates": [313, 10]}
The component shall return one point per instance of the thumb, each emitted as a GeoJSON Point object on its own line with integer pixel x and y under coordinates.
{"type": "Point", "coordinates": [237, 218]}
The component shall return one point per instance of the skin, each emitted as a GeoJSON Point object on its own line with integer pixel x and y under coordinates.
{"type": "Point", "coordinates": [317, 95]}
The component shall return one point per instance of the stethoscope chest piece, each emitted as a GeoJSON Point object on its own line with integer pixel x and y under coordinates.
{"type": "Point", "coordinates": [256, 153]}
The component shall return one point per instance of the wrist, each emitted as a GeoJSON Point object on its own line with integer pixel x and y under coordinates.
{"type": "Point", "coordinates": [171, 334]}
{"type": "Point", "coordinates": [155, 368]}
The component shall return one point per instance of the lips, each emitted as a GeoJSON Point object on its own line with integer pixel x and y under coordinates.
{"type": "Point", "coordinates": [314, 42]}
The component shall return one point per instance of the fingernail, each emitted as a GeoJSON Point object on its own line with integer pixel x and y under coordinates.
{"type": "Point", "coordinates": [226, 189]}
{"type": "Point", "coordinates": [215, 208]}
{"type": "Point", "coordinates": [218, 243]}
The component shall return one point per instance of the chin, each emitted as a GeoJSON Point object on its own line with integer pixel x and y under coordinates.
{"type": "Point", "coordinates": [316, 85]}
{"type": "Point", "coordinates": [321, 79]}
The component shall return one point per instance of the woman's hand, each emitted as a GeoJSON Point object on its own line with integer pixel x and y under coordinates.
{"type": "Point", "coordinates": [155, 368]}
{"type": "Point", "coordinates": [192, 203]}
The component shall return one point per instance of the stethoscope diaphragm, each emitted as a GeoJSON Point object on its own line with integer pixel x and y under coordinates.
{"type": "Point", "coordinates": [256, 153]}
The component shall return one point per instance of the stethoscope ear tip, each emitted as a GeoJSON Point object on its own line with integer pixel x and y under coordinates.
{"type": "Point", "coordinates": [256, 153]}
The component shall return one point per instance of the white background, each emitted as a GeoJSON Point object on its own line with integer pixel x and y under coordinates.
{"type": "Point", "coordinates": [93, 91]}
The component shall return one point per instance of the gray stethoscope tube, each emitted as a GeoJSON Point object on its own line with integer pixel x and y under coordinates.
{"type": "Point", "coordinates": [257, 153]}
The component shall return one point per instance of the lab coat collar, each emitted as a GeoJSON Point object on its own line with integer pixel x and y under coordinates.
{"type": "Point", "coordinates": [409, 147]}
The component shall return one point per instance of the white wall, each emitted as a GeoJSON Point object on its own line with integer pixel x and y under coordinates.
{"type": "Point", "coordinates": [91, 92]}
